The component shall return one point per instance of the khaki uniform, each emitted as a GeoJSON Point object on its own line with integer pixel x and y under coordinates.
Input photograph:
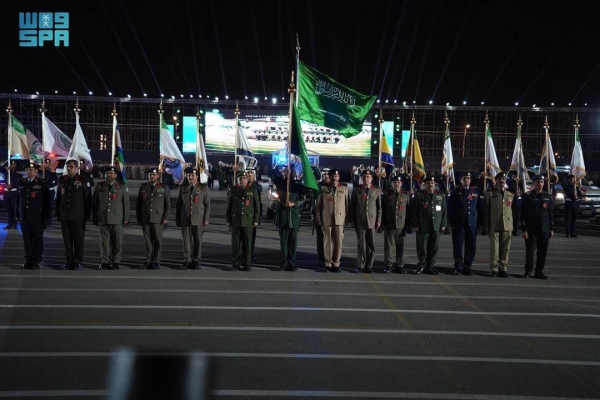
{"type": "Point", "coordinates": [242, 213]}
{"type": "Point", "coordinates": [429, 216]}
{"type": "Point", "coordinates": [498, 222]}
{"type": "Point", "coordinates": [110, 212]}
{"type": "Point", "coordinates": [332, 214]}
{"type": "Point", "coordinates": [394, 211]}
{"type": "Point", "coordinates": [365, 215]}
{"type": "Point", "coordinates": [152, 207]}
{"type": "Point", "coordinates": [191, 215]}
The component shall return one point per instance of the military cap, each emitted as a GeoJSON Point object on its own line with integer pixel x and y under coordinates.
{"type": "Point", "coordinates": [366, 172]}
{"type": "Point", "coordinates": [333, 171]}
{"type": "Point", "coordinates": [500, 175]}
{"type": "Point", "coordinates": [430, 178]}
{"type": "Point", "coordinates": [241, 174]}
{"type": "Point", "coordinates": [250, 169]}
{"type": "Point", "coordinates": [109, 168]}
{"type": "Point", "coordinates": [71, 161]}
{"type": "Point", "coordinates": [538, 177]}
{"type": "Point", "coordinates": [570, 176]}
{"type": "Point", "coordinates": [191, 170]}
{"type": "Point", "coordinates": [396, 178]}
{"type": "Point", "coordinates": [32, 165]}
{"type": "Point", "coordinates": [466, 174]}
{"type": "Point", "coordinates": [153, 170]}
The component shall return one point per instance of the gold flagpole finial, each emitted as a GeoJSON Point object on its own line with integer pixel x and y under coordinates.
{"type": "Point", "coordinates": [198, 114]}
{"type": "Point", "coordinates": [413, 121]}
{"type": "Point", "coordinates": [577, 126]}
{"type": "Point", "coordinates": [237, 109]}
{"type": "Point", "coordinates": [519, 121]}
{"type": "Point", "coordinates": [446, 119]}
{"type": "Point", "coordinates": [114, 111]}
{"type": "Point", "coordinates": [77, 109]}
{"type": "Point", "coordinates": [381, 120]}
{"type": "Point", "coordinates": [9, 108]}
{"type": "Point", "coordinates": [160, 109]}
{"type": "Point", "coordinates": [292, 88]}
{"type": "Point", "coordinates": [546, 124]}
{"type": "Point", "coordinates": [486, 119]}
{"type": "Point", "coordinates": [43, 106]}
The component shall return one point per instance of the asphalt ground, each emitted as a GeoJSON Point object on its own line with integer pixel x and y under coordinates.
{"type": "Point", "coordinates": [277, 335]}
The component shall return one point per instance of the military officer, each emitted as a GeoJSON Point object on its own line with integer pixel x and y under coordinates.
{"type": "Point", "coordinates": [365, 217]}
{"type": "Point", "coordinates": [429, 220]}
{"type": "Point", "coordinates": [73, 209]}
{"type": "Point", "coordinates": [394, 211]}
{"type": "Point", "coordinates": [152, 212]}
{"type": "Point", "coordinates": [498, 223]}
{"type": "Point", "coordinates": [463, 216]}
{"type": "Point", "coordinates": [192, 215]}
{"type": "Point", "coordinates": [572, 196]}
{"type": "Point", "coordinates": [242, 215]}
{"type": "Point", "coordinates": [252, 182]}
{"type": "Point", "coordinates": [11, 196]}
{"type": "Point", "coordinates": [320, 240]}
{"type": "Point", "coordinates": [537, 223]}
{"type": "Point", "coordinates": [287, 216]}
{"type": "Point", "coordinates": [34, 214]}
{"type": "Point", "coordinates": [333, 206]}
{"type": "Point", "coordinates": [110, 213]}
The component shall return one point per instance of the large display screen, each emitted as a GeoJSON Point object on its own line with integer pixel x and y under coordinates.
{"type": "Point", "coordinates": [267, 133]}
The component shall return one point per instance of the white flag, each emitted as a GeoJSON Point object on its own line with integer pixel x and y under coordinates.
{"type": "Point", "coordinates": [201, 157]}
{"type": "Point", "coordinates": [548, 163]}
{"type": "Point", "coordinates": [518, 162]}
{"type": "Point", "coordinates": [448, 159]}
{"type": "Point", "coordinates": [173, 159]}
{"type": "Point", "coordinates": [22, 142]}
{"type": "Point", "coordinates": [79, 148]}
{"type": "Point", "coordinates": [491, 162]}
{"type": "Point", "coordinates": [55, 141]}
{"type": "Point", "coordinates": [244, 156]}
{"type": "Point", "coordinates": [577, 164]}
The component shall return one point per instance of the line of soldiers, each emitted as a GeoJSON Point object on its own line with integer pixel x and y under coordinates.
{"type": "Point", "coordinates": [367, 209]}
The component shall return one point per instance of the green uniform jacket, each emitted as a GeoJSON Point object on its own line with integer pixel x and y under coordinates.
{"type": "Point", "coordinates": [73, 199]}
{"type": "Point", "coordinates": [394, 209]}
{"type": "Point", "coordinates": [332, 205]}
{"type": "Point", "coordinates": [193, 205]}
{"type": "Point", "coordinates": [110, 207]}
{"type": "Point", "coordinates": [242, 207]}
{"type": "Point", "coordinates": [429, 211]}
{"type": "Point", "coordinates": [283, 213]}
{"type": "Point", "coordinates": [365, 209]}
{"type": "Point", "coordinates": [153, 206]}
{"type": "Point", "coordinates": [497, 212]}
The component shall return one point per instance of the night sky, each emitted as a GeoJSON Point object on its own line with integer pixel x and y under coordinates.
{"type": "Point", "coordinates": [499, 52]}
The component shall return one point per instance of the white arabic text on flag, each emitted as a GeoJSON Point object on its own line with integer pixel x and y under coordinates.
{"type": "Point", "coordinates": [79, 149]}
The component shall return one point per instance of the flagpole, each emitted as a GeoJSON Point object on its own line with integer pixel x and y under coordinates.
{"type": "Point", "coordinates": [160, 114]}
{"type": "Point", "coordinates": [237, 141]}
{"type": "Point", "coordinates": [413, 121]}
{"type": "Point", "coordinates": [447, 122]}
{"type": "Point", "coordinates": [297, 67]}
{"type": "Point", "coordinates": [114, 134]}
{"type": "Point", "coordinates": [198, 137]}
{"type": "Point", "coordinates": [487, 124]}
{"type": "Point", "coordinates": [292, 92]}
{"type": "Point", "coordinates": [9, 140]}
{"type": "Point", "coordinates": [520, 185]}
{"type": "Point", "coordinates": [43, 111]}
{"type": "Point", "coordinates": [546, 127]}
{"type": "Point", "coordinates": [576, 126]}
{"type": "Point", "coordinates": [380, 144]}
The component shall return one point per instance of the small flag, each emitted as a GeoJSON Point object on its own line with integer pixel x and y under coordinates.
{"type": "Point", "coordinates": [79, 149]}
{"type": "Point", "coordinates": [243, 151]}
{"type": "Point", "coordinates": [447, 158]}
{"type": "Point", "coordinates": [577, 164]}
{"type": "Point", "coordinates": [548, 163]}
{"type": "Point", "coordinates": [491, 162]}
{"type": "Point", "coordinates": [55, 141]}
{"type": "Point", "coordinates": [386, 156]}
{"type": "Point", "coordinates": [119, 156]}
{"type": "Point", "coordinates": [23, 142]}
{"type": "Point", "coordinates": [173, 159]}
{"type": "Point", "coordinates": [518, 162]}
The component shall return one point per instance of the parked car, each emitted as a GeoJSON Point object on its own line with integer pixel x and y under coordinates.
{"type": "Point", "coordinates": [273, 196]}
{"type": "Point", "coordinates": [588, 205]}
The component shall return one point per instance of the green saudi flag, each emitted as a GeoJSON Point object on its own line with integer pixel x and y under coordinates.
{"type": "Point", "coordinates": [23, 142]}
{"type": "Point", "coordinates": [298, 148]}
{"type": "Point", "coordinates": [325, 102]}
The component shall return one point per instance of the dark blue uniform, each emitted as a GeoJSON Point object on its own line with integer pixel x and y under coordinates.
{"type": "Point", "coordinates": [463, 216]}
{"type": "Point", "coordinates": [537, 219]}
{"type": "Point", "coordinates": [572, 196]}
{"type": "Point", "coordinates": [34, 213]}
{"type": "Point", "coordinates": [10, 198]}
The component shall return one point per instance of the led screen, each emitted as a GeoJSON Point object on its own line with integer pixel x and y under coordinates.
{"type": "Point", "coordinates": [267, 132]}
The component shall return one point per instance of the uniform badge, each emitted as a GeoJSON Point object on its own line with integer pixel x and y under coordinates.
{"type": "Point", "coordinates": [62, 190]}
{"type": "Point", "coordinates": [247, 203]}
{"type": "Point", "coordinates": [330, 198]}
{"type": "Point", "coordinates": [145, 197]}
{"type": "Point", "coordinates": [196, 199]}
{"type": "Point", "coordinates": [364, 196]}
{"type": "Point", "coordinates": [33, 195]}
{"type": "Point", "coordinates": [508, 203]}
{"type": "Point", "coordinates": [113, 196]}
{"type": "Point", "coordinates": [77, 184]}
{"type": "Point", "coordinates": [401, 207]}
{"type": "Point", "coordinates": [438, 198]}
{"type": "Point", "coordinates": [425, 206]}
{"type": "Point", "coordinates": [470, 197]}
{"type": "Point", "coordinates": [545, 205]}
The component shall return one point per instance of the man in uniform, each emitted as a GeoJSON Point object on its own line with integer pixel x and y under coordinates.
{"type": "Point", "coordinates": [331, 215]}
{"type": "Point", "coordinates": [34, 214]}
{"type": "Point", "coordinates": [110, 213]}
{"type": "Point", "coordinates": [73, 208]}
{"type": "Point", "coordinates": [513, 186]}
{"type": "Point", "coordinates": [394, 210]}
{"type": "Point", "coordinates": [572, 196]}
{"type": "Point", "coordinates": [10, 196]}
{"type": "Point", "coordinates": [537, 223]}
{"type": "Point", "coordinates": [320, 241]}
{"type": "Point", "coordinates": [463, 209]}
{"type": "Point", "coordinates": [365, 217]}
{"type": "Point", "coordinates": [287, 216]}
{"type": "Point", "coordinates": [253, 183]}
{"type": "Point", "coordinates": [152, 213]}
{"type": "Point", "coordinates": [242, 215]}
{"type": "Point", "coordinates": [429, 220]}
{"type": "Point", "coordinates": [192, 215]}
{"type": "Point", "coordinates": [87, 176]}
{"type": "Point", "coordinates": [498, 223]}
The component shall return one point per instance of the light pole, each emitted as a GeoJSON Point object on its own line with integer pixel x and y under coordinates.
{"type": "Point", "coordinates": [467, 126]}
